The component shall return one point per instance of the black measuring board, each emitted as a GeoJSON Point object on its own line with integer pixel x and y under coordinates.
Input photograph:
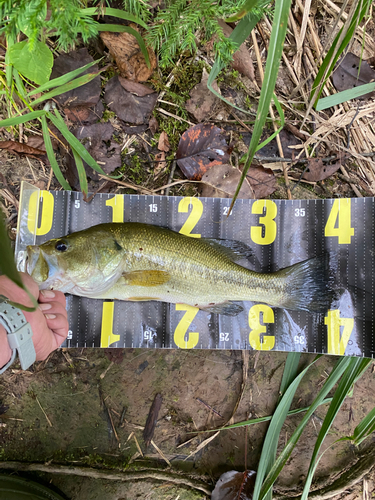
{"type": "Point", "coordinates": [281, 233]}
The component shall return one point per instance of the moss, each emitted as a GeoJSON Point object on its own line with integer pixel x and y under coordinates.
{"type": "Point", "coordinates": [107, 115]}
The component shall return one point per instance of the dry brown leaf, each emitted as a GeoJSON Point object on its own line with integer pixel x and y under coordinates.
{"type": "Point", "coordinates": [221, 181]}
{"type": "Point", "coordinates": [203, 102]}
{"type": "Point", "coordinates": [242, 60]}
{"type": "Point", "coordinates": [130, 61]}
{"type": "Point", "coordinates": [153, 125]}
{"type": "Point", "coordinates": [18, 147]}
{"type": "Point", "coordinates": [160, 164]}
{"type": "Point", "coordinates": [135, 87]}
{"type": "Point", "coordinates": [317, 171]}
{"type": "Point", "coordinates": [352, 72]}
{"type": "Point", "coordinates": [164, 142]}
{"type": "Point", "coordinates": [262, 180]}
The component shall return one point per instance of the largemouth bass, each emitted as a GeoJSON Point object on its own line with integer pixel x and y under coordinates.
{"type": "Point", "coordinates": [133, 261]}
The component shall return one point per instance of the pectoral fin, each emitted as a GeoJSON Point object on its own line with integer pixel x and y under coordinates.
{"type": "Point", "coordinates": [146, 278]}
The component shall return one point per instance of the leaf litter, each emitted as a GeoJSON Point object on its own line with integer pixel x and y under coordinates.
{"type": "Point", "coordinates": [352, 72]}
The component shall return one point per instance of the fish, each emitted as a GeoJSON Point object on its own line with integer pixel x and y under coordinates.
{"type": "Point", "coordinates": [137, 262]}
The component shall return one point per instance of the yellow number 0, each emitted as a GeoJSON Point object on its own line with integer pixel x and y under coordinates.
{"type": "Point", "coordinates": [182, 327]}
{"type": "Point", "coordinates": [195, 215]}
{"type": "Point", "coordinates": [267, 220]}
{"type": "Point", "coordinates": [46, 218]}
{"type": "Point", "coordinates": [257, 328]}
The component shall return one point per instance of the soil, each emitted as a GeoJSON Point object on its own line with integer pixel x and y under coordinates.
{"type": "Point", "coordinates": [87, 408]}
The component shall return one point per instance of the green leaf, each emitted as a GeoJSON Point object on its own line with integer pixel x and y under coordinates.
{"type": "Point", "coordinates": [81, 173]}
{"type": "Point", "coordinates": [16, 120]}
{"type": "Point", "coordinates": [35, 64]}
{"type": "Point", "coordinates": [364, 428]}
{"type": "Point", "coordinates": [277, 467]}
{"type": "Point", "coordinates": [78, 82]}
{"type": "Point", "coordinates": [51, 155]}
{"type": "Point", "coordinates": [334, 53]}
{"type": "Point", "coordinates": [249, 5]}
{"type": "Point", "coordinates": [355, 369]}
{"type": "Point", "coordinates": [62, 80]}
{"type": "Point", "coordinates": [273, 432]}
{"type": "Point", "coordinates": [74, 143]}
{"type": "Point", "coordinates": [344, 96]}
{"type": "Point", "coordinates": [107, 11]}
{"type": "Point", "coordinates": [8, 266]}
{"type": "Point", "coordinates": [23, 19]}
{"type": "Point", "coordinates": [118, 28]}
{"type": "Point", "coordinates": [279, 27]}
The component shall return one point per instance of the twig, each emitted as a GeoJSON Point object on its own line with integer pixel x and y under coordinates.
{"type": "Point", "coordinates": [44, 413]}
{"type": "Point", "coordinates": [171, 174]}
{"type": "Point", "coordinates": [161, 110]}
{"type": "Point", "coordinates": [112, 475]}
{"type": "Point", "coordinates": [209, 407]}
{"type": "Point", "coordinates": [161, 453]}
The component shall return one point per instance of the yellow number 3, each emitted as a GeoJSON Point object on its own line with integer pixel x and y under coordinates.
{"type": "Point", "coordinates": [267, 221]}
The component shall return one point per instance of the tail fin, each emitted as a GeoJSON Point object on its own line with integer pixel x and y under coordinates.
{"type": "Point", "coordinates": [308, 285]}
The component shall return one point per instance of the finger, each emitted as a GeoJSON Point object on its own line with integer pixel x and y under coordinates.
{"type": "Point", "coordinates": [59, 326]}
{"type": "Point", "coordinates": [52, 295]}
{"type": "Point", "coordinates": [53, 308]}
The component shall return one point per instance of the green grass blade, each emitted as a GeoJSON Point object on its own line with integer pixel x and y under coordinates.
{"type": "Point", "coordinates": [249, 5]}
{"type": "Point", "coordinates": [118, 28]}
{"type": "Point", "coordinates": [344, 96]}
{"type": "Point", "coordinates": [290, 371]}
{"type": "Point", "coordinates": [16, 120]}
{"type": "Point", "coordinates": [332, 56]}
{"type": "Point", "coordinates": [279, 28]}
{"type": "Point", "coordinates": [62, 80]}
{"type": "Point", "coordinates": [74, 142]}
{"type": "Point", "coordinates": [277, 467]}
{"type": "Point", "coordinates": [19, 85]}
{"type": "Point", "coordinates": [364, 428]}
{"type": "Point", "coordinates": [78, 82]}
{"type": "Point", "coordinates": [107, 11]}
{"type": "Point", "coordinates": [355, 369]}
{"type": "Point", "coordinates": [238, 36]}
{"type": "Point", "coordinates": [51, 156]}
{"type": "Point", "coordinates": [81, 173]}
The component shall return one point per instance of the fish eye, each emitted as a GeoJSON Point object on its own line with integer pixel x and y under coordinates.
{"type": "Point", "coordinates": [61, 246]}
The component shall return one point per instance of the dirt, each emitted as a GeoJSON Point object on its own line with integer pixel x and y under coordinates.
{"type": "Point", "coordinates": [58, 413]}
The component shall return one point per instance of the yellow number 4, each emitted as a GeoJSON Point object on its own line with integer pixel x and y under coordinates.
{"type": "Point", "coordinates": [341, 216]}
{"type": "Point", "coordinates": [337, 345]}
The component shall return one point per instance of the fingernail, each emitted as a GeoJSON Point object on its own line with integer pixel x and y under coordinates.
{"type": "Point", "coordinates": [48, 294]}
{"type": "Point", "coordinates": [50, 316]}
{"type": "Point", "coordinates": [45, 307]}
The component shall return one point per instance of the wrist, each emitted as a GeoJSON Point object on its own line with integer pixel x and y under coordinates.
{"type": "Point", "coordinates": [5, 350]}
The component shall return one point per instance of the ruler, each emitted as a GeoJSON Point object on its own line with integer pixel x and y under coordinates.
{"type": "Point", "coordinates": [280, 232]}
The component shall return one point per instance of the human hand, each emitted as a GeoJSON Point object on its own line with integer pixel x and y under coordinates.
{"type": "Point", "coordinates": [49, 322]}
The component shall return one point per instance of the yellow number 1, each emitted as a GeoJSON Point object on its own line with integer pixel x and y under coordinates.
{"type": "Point", "coordinates": [117, 205]}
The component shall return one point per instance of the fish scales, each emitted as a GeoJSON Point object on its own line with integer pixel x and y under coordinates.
{"type": "Point", "coordinates": [134, 261]}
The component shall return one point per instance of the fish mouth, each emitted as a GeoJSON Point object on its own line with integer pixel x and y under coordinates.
{"type": "Point", "coordinates": [42, 268]}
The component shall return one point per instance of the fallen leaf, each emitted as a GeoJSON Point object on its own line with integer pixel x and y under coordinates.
{"type": "Point", "coordinates": [235, 485]}
{"type": "Point", "coordinates": [153, 125]}
{"type": "Point", "coordinates": [346, 74]}
{"type": "Point", "coordinates": [242, 60]}
{"type": "Point", "coordinates": [135, 87]}
{"type": "Point", "coordinates": [221, 181]}
{"type": "Point", "coordinates": [148, 432]}
{"type": "Point", "coordinates": [127, 106]}
{"type": "Point", "coordinates": [160, 164]}
{"type": "Point", "coordinates": [318, 171]}
{"type": "Point", "coordinates": [203, 103]}
{"type": "Point", "coordinates": [97, 140]}
{"type": "Point", "coordinates": [37, 141]}
{"type": "Point", "coordinates": [18, 147]}
{"type": "Point", "coordinates": [86, 95]}
{"type": "Point", "coordinates": [164, 142]}
{"type": "Point", "coordinates": [271, 149]}
{"type": "Point", "coordinates": [200, 148]}
{"type": "Point", "coordinates": [262, 180]}
{"type": "Point", "coordinates": [130, 61]}
{"type": "Point", "coordinates": [85, 115]}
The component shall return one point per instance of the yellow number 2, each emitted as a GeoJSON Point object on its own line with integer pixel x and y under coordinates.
{"type": "Point", "coordinates": [340, 215]}
{"type": "Point", "coordinates": [337, 345]}
{"type": "Point", "coordinates": [267, 221]}
{"type": "Point", "coordinates": [182, 327]}
{"type": "Point", "coordinates": [194, 216]}
{"type": "Point", "coordinates": [257, 328]}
